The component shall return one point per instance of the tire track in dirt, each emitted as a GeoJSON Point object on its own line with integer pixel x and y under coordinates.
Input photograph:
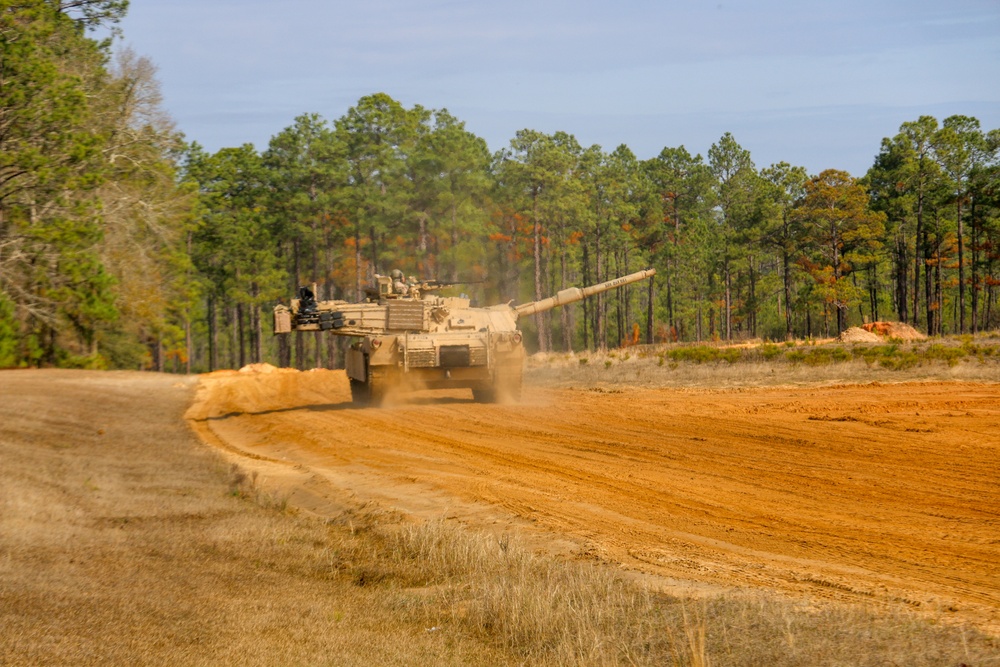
{"type": "Point", "coordinates": [881, 493]}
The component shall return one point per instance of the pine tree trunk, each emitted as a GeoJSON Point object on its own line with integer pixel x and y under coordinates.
{"type": "Point", "coordinates": [240, 338]}
{"type": "Point", "coordinates": [284, 352]}
{"type": "Point", "coordinates": [861, 303]}
{"type": "Point", "coordinates": [423, 270]}
{"type": "Point", "coordinates": [938, 293]}
{"type": "Point", "coordinates": [359, 293]}
{"type": "Point", "coordinates": [837, 276]}
{"type": "Point", "coordinates": [373, 239]}
{"type": "Point", "coordinates": [234, 338]}
{"type": "Point", "coordinates": [919, 254]}
{"type": "Point", "coordinates": [619, 307]}
{"type": "Point", "coordinates": [988, 315]}
{"type": "Point", "coordinates": [699, 323]}
{"type": "Point", "coordinates": [300, 351]}
{"type": "Point", "coordinates": [711, 322]}
{"type": "Point", "coordinates": [961, 269]}
{"type": "Point", "coordinates": [901, 278]}
{"type": "Point", "coordinates": [601, 330]}
{"type": "Point", "coordinates": [258, 334]}
{"type": "Point", "coordinates": [873, 292]}
{"type": "Point", "coordinates": [650, 293]}
{"type": "Point", "coordinates": [567, 311]}
{"type": "Point", "coordinates": [786, 271]}
{"type": "Point", "coordinates": [188, 345]}
{"type": "Point", "coordinates": [753, 299]}
{"type": "Point", "coordinates": [729, 302]}
{"type": "Point", "coordinates": [605, 299]}
{"type": "Point", "coordinates": [213, 335]}
{"type": "Point", "coordinates": [188, 337]}
{"type": "Point", "coordinates": [537, 256]}
{"type": "Point", "coordinates": [671, 321]}
{"type": "Point", "coordinates": [549, 281]}
{"type": "Point", "coordinates": [626, 294]}
{"type": "Point", "coordinates": [975, 266]}
{"type": "Point", "coordinates": [329, 292]}
{"type": "Point", "coordinates": [454, 244]}
{"type": "Point", "coordinates": [586, 305]}
{"type": "Point", "coordinates": [255, 328]}
{"type": "Point", "coordinates": [929, 300]}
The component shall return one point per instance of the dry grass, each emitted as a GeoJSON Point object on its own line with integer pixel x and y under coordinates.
{"type": "Point", "coordinates": [757, 363]}
{"type": "Point", "coordinates": [536, 610]}
{"type": "Point", "coordinates": [122, 541]}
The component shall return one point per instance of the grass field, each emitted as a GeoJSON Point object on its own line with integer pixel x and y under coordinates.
{"type": "Point", "coordinates": [761, 363]}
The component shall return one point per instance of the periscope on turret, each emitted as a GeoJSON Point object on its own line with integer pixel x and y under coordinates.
{"type": "Point", "coordinates": [407, 335]}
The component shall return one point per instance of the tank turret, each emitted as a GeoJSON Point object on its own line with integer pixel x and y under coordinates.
{"type": "Point", "coordinates": [410, 337]}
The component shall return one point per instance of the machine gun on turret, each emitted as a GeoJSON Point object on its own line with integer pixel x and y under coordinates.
{"type": "Point", "coordinates": [395, 286]}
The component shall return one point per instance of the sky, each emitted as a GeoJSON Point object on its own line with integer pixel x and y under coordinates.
{"type": "Point", "coordinates": [816, 84]}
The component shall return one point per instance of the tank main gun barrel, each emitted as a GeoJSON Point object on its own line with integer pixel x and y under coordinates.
{"type": "Point", "coordinates": [573, 294]}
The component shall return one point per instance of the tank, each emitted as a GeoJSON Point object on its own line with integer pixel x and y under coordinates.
{"type": "Point", "coordinates": [408, 337]}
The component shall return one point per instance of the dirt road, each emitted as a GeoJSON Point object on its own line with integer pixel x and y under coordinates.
{"type": "Point", "coordinates": [885, 494]}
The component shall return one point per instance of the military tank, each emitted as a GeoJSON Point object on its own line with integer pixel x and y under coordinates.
{"type": "Point", "coordinates": [409, 337]}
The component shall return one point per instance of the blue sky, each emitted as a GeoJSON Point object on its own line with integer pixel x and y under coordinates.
{"type": "Point", "coordinates": [816, 84]}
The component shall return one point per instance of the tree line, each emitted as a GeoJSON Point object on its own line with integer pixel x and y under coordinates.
{"type": "Point", "coordinates": [121, 245]}
{"type": "Point", "coordinates": [93, 214]}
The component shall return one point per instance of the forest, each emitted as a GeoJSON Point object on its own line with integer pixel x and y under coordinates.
{"type": "Point", "coordinates": [124, 245]}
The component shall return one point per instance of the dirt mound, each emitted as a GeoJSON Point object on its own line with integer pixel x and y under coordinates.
{"type": "Point", "coordinates": [858, 335]}
{"type": "Point", "coordinates": [900, 330]}
{"type": "Point", "coordinates": [222, 372]}
{"type": "Point", "coordinates": [876, 332]}
{"type": "Point", "coordinates": [265, 368]}
{"type": "Point", "coordinates": [258, 368]}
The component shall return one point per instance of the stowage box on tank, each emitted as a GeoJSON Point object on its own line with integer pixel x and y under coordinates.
{"type": "Point", "coordinates": [407, 336]}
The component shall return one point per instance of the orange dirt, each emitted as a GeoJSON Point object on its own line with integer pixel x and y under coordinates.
{"type": "Point", "coordinates": [882, 494]}
{"type": "Point", "coordinates": [900, 330]}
